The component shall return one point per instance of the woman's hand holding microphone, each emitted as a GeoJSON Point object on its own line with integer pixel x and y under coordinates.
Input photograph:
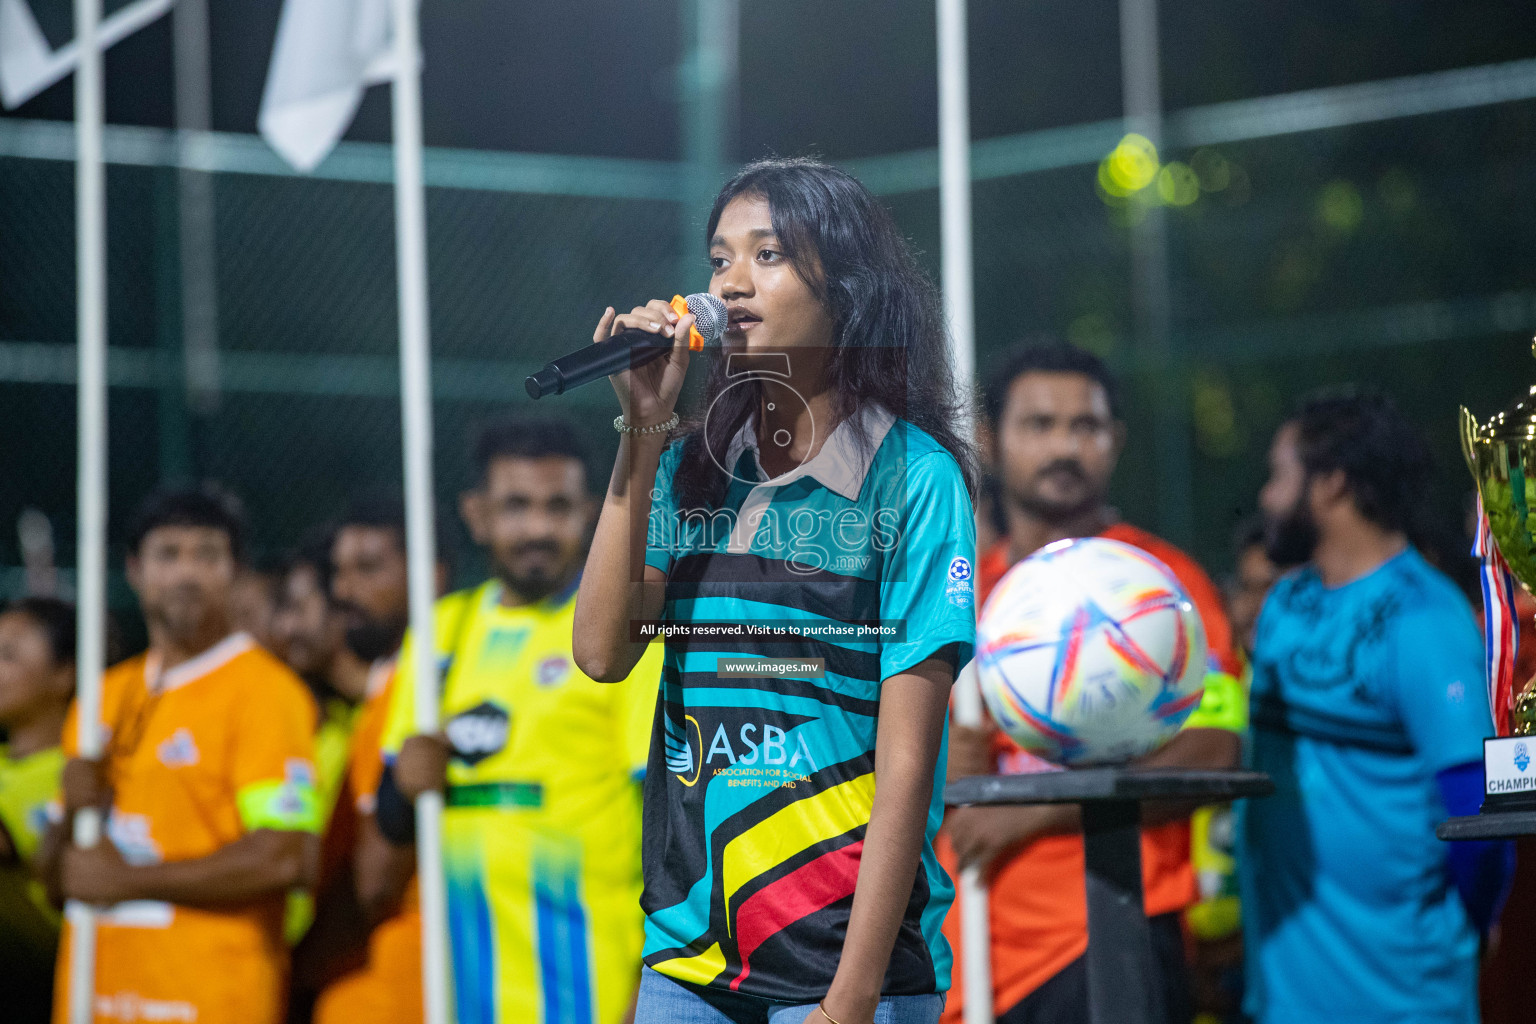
{"type": "Point", "coordinates": [648, 394]}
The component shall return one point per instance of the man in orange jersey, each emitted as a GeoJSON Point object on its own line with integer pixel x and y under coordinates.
{"type": "Point", "coordinates": [207, 783]}
{"type": "Point", "coordinates": [1057, 436]}
{"type": "Point", "coordinates": [368, 587]}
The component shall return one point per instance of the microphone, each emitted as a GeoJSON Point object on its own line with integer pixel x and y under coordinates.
{"type": "Point", "coordinates": [629, 348]}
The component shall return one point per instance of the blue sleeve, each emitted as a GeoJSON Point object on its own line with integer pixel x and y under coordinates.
{"type": "Point", "coordinates": [1483, 871]}
{"type": "Point", "coordinates": [1442, 698]}
{"type": "Point", "coordinates": [661, 530]}
{"type": "Point", "coordinates": [927, 586]}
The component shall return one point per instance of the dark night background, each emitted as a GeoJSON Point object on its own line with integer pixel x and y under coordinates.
{"type": "Point", "coordinates": [1400, 251]}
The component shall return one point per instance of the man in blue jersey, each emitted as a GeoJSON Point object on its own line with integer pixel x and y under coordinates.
{"type": "Point", "coordinates": [1369, 712]}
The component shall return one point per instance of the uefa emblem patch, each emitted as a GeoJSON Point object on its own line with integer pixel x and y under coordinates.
{"type": "Point", "coordinates": [958, 587]}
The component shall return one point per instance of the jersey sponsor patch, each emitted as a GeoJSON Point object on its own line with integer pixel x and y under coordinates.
{"type": "Point", "coordinates": [479, 732]}
{"type": "Point", "coordinates": [552, 671]}
{"type": "Point", "coordinates": [179, 751]}
{"type": "Point", "coordinates": [130, 833]}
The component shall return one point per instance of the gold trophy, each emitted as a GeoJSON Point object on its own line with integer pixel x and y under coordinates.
{"type": "Point", "coordinates": [1502, 456]}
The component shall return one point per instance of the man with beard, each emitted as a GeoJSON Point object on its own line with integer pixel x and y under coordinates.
{"type": "Point", "coordinates": [1056, 437]}
{"type": "Point", "coordinates": [208, 784]}
{"type": "Point", "coordinates": [369, 592]}
{"type": "Point", "coordinates": [539, 763]}
{"type": "Point", "coordinates": [1369, 711]}
{"type": "Point", "coordinates": [309, 632]}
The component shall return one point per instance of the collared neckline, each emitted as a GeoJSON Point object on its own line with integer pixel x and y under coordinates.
{"type": "Point", "coordinates": [842, 463]}
{"type": "Point", "coordinates": [551, 602]}
{"type": "Point", "coordinates": [220, 654]}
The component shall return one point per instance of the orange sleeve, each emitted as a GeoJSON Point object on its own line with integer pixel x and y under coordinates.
{"type": "Point", "coordinates": [272, 764]}
{"type": "Point", "coordinates": [366, 764]}
{"type": "Point", "coordinates": [70, 741]}
{"type": "Point", "coordinates": [1213, 613]}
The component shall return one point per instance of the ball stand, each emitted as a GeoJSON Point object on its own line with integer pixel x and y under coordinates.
{"type": "Point", "coordinates": [1494, 822]}
{"type": "Point", "coordinates": [1122, 985]}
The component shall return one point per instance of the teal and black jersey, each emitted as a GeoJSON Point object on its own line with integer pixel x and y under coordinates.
{"type": "Point", "coordinates": [852, 568]}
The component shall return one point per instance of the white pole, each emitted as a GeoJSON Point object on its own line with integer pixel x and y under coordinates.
{"type": "Point", "coordinates": [959, 302]}
{"type": "Point", "coordinates": [416, 410]}
{"type": "Point", "coordinates": [955, 190]}
{"type": "Point", "coordinates": [195, 202]}
{"type": "Point", "coordinates": [91, 314]}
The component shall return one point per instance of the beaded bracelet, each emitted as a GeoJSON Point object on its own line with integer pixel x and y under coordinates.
{"type": "Point", "coordinates": [655, 428]}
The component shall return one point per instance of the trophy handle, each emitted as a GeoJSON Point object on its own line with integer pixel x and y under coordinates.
{"type": "Point", "coordinates": [1468, 435]}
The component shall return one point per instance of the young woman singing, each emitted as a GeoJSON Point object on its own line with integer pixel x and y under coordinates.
{"type": "Point", "coordinates": [807, 541]}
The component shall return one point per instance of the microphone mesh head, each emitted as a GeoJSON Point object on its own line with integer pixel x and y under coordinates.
{"type": "Point", "coordinates": [709, 316]}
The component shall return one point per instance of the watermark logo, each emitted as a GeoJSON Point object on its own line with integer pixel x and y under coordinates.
{"type": "Point", "coordinates": [769, 371]}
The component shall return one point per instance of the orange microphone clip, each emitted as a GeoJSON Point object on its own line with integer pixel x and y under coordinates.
{"type": "Point", "coordinates": [695, 339]}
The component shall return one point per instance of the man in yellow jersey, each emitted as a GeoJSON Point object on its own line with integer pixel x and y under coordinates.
{"type": "Point", "coordinates": [208, 784]}
{"type": "Point", "coordinates": [542, 832]}
{"type": "Point", "coordinates": [368, 587]}
{"type": "Point", "coordinates": [37, 679]}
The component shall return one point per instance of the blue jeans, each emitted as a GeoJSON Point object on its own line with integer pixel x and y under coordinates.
{"type": "Point", "coordinates": [664, 1001]}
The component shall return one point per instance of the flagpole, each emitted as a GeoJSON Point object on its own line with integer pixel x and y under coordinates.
{"type": "Point", "coordinates": [959, 302]}
{"type": "Point", "coordinates": [416, 410]}
{"type": "Point", "coordinates": [91, 314]}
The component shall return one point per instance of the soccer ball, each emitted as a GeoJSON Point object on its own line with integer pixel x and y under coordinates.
{"type": "Point", "coordinates": [1089, 651]}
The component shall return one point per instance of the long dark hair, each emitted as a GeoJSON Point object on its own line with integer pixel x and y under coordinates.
{"type": "Point", "coordinates": [889, 343]}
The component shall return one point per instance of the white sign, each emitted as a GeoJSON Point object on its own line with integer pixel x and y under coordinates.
{"type": "Point", "coordinates": [1508, 765]}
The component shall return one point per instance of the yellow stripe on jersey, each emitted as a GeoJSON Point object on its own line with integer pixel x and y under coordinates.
{"type": "Point", "coordinates": [796, 827]}
{"type": "Point", "coordinates": [701, 969]}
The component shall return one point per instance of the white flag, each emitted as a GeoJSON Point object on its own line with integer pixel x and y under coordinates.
{"type": "Point", "coordinates": [28, 65]}
{"type": "Point", "coordinates": [327, 53]}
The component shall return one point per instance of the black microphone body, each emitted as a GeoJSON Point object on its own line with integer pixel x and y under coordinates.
{"type": "Point", "coordinates": [623, 351]}
{"type": "Point", "coordinates": [627, 349]}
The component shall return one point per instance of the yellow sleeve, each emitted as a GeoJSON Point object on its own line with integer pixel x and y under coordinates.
{"type": "Point", "coordinates": [27, 787]}
{"type": "Point", "coordinates": [636, 699]}
{"type": "Point", "coordinates": [452, 618]}
{"type": "Point", "coordinates": [400, 719]}
{"type": "Point", "coordinates": [1224, 706]}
